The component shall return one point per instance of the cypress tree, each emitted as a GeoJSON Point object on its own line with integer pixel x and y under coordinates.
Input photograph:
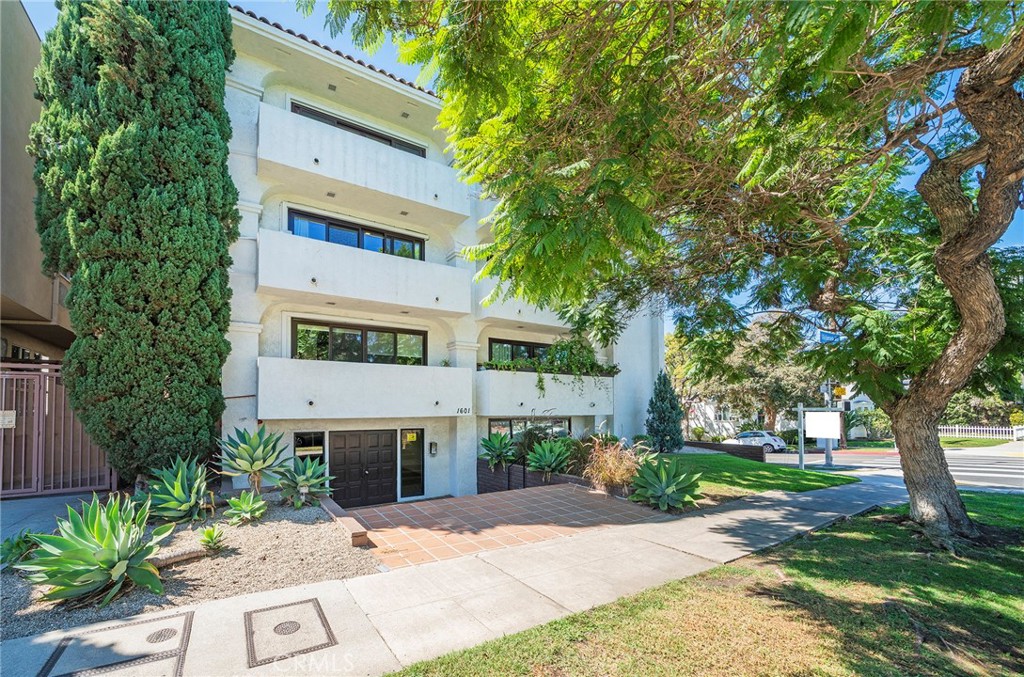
{"type": "Point", "coordinates": [664, 416]}
{"type": "Point", "coordinates": [136, 204]}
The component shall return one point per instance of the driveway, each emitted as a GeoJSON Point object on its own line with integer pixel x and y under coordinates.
{"type": "Point", "coordinates": [36, 513]}
{"type": "Point", "coordinates": [438, 529]}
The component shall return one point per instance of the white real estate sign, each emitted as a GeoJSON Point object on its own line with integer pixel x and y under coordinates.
{"type": "Point", "coordinates": [823, 424]}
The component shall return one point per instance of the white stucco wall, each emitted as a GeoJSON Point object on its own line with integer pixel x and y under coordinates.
{"type": "Point", "coordinates": [280, 160]}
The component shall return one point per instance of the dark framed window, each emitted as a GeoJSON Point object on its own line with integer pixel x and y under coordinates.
{"type": "Point", "coordinates": [312, 340]}
{"type": "Point", "coordinates": [412, 462]}
{"type": "Point", "coordinates": [354, 235]}
{"type": "Point", "coordinates": [549, 427]}
{"type": "Point", "coordinates": [353, 128]}
{"type": "Point", "coordinates": [502, 350]}
{"type": "Point", "coordinates": [308, 444]}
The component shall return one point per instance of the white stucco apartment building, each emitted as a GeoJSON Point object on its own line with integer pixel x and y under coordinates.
{"type": "Point", "coordinates": [357, 328]}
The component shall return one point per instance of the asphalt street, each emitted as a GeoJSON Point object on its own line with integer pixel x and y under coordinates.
{"type": "Point", "coordinates": [999, 467]}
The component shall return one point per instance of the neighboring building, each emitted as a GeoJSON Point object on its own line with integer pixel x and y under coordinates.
{"type": "Point", "coordinates": [357, 329]}
{"type": "Point", "coordinates": [34, 323]}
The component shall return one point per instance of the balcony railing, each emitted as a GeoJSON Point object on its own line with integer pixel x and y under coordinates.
{"type": "Point", "coordinates": [310, 389]}
{"type": "Point", "coordinates": [315, 159]}
{"type": "Point", "coordinates": [303, 269]}
{"type": "Point", "coordinates": [515, 393]}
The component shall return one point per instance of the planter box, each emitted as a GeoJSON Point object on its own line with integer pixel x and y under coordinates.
{"type": "Point", "coordinates": [513, 477]}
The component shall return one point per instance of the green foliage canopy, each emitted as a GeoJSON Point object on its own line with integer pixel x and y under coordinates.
{"type": "Point", "coordinates": [135, 203]}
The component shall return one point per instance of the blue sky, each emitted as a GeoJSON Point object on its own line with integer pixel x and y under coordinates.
{"type": "Point", "coordinates": [44, 14]}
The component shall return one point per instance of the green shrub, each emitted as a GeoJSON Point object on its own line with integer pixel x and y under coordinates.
{"type": "Point", "coordinates": [14, 548]}
{"type": "Point", "coordinates": [579, 454]}
{"type": "Point", "coordinates": [664, 416]}
{"type": "Point", "coordinates": [305, 480]}
{"type": "Point", "coordinates": [698, 433]}
{"type": "Point", "coordinates": [1016, 417]}
{"type": "Point", "coordinates": [179, 492]}
{"type": "Point", "coordinates": [548, 457]}
{"type": "Point", "coordinates": [716, 438]}
{"type": "Point", "coordinates": [665, 483]}
{"type": "Point", "coordinates": [212, 538]}
{"type": "Point", "coordinates": [96, 552]}
{"type": "Point", "coordinates": [246, 507]}
{"type": "Point", "coordinates": [747, 426]}
{"type": "Point", "coordinates": [497, 450]}
{"type": "Point", "coordinates": [254, 455]}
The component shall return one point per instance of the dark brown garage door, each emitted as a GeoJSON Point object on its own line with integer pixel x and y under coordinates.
{"type": "Point", "coordinates": [363, 465]}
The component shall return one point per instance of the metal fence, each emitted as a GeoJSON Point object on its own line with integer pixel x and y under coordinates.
{"type": "Point", "coordinates": [976, 431]}
{"type": "Point", "coordinates": [43, 447]}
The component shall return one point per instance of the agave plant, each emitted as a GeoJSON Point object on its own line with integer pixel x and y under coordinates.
{"type": "Point", "coordinates": [252, 454]}
{"type": "Point", "coordinates": [549, 457]}
{"type": "Point", "coordinates": [15, 548]}
{"type": "Point", "coordinates": [665, 484]}
{"type": "Point", "coordinates": [179, 492]}
{"type": "Point", "coordinates": [212, 538]}
{"type": "Point", "coordinates": [497, 450]}
{"type": "Point", "coordinates": [95, 553]}
{"type": "Point", "coordinates": [305, 480]}
{"type": "Point", "coordinates": [246, 507]}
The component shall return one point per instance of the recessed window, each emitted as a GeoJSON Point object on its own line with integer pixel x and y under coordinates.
{"type": "Point", "coordinates": [308, 444]}
{"type": "Point", "coordinates": [548, 427]}
{"type": "Point", "coordinates": [353, 128]}
{"type": "Point", "coordinates": [354, 235]}
{"type": "Point", "coordinates": [345, 343]}
{"type": "Point", "coordinates": [506, 351]}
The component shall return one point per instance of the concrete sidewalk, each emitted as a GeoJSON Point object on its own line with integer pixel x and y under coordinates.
{"type": "Point", "coordinates": [379, 623]}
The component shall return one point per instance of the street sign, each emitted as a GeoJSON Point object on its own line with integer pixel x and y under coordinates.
{"type": "Point", "coordinates": [824, 424]}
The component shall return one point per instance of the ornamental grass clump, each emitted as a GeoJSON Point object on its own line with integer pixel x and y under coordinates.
{"type": "Point", "coordinates": [254, 455]}
{"type": "Point", "coordinates": [94, 554]}
{"type": "Point", "coordinates": [612, 465]}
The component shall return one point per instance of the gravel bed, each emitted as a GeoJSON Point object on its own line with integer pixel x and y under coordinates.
{"type": "Point", "coordinates": [287, 547]}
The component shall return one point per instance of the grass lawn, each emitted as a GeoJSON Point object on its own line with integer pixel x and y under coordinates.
{"type": "Point", "coordinates": [723, 473]}
{"type": "Point", "coordinates": [867, 597]}
{"type": "Point", "coordinates": [946, 442]}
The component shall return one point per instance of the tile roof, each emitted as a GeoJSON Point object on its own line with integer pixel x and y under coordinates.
{"type": "Point", "coordinates": [311, 41]}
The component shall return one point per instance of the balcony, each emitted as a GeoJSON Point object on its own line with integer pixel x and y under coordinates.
{"type": "Point", "coordinates": [308, 270]}
{"type": "Point", "coordinates": [513, 313]}
{"type": "Point", "coordinates": [313, 158]}
{"type": "Point", "coordinates": [514, 393]}
{"type": "Point", "coordinates": [304, 389]}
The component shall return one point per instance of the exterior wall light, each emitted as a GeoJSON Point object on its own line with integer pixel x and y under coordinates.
{"type": "Point", "coordinates": [310, 403]}
{"type": "Point", "coordinates": [433, 448]}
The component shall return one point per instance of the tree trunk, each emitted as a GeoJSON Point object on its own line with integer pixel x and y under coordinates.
{"type": "Point", "coordinates": [934, 501]}
{"type": "Point", "coordinates": [770, 416]}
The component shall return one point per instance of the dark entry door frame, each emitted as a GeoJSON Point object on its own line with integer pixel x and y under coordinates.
{"type": "Point", "coordinates": [364, 465]}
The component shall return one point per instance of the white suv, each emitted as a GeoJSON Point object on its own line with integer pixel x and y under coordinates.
{"type": "Point", "coordinates": [768, 442]}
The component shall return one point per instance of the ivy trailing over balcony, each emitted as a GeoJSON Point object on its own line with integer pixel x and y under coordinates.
{"type": "Point", "coordinates": [573, 357]}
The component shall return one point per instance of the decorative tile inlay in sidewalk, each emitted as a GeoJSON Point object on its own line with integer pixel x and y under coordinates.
{"type": "Point", "coordinates": [287, 630]}
{"type": "Point", "coordinates": [426, 531]}
{"type": "Point", "coordinates": [157, 643]}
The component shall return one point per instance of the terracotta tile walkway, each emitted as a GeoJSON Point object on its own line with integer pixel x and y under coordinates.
{"type": "Point", "coordinates": [425, 531]}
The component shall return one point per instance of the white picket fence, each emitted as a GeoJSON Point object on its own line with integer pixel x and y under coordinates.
{"type": "Point", "coordinates": [976, 431]}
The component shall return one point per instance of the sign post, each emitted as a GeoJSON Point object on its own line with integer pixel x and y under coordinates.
{"type": "Point", "coordinates": [800, 433]}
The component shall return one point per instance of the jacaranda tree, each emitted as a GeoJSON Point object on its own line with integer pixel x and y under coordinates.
{"type": "Point", "coordinates": [734, 157]}
{"type": "Point", "coordinates": [135, 203]}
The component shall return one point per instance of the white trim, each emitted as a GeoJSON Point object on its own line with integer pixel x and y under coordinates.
{"type": "Point", "coordinates": [245, 327]}
{"type": "Point", "coordinates": [244, 87]}
{"type": "Point", "coordinates": [327, 214]}
{"type": "Point", "coordinates": [280, 37]}
{"type": "Point", "coordinates": [250, 207]}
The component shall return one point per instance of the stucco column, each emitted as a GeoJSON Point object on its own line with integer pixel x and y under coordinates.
{"type": "Point", "coordinates": [463, 353]}
{"type": "Point", "coordinates": [463, 460]}
{"type": "Point", "coordinates": [239, 381]}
